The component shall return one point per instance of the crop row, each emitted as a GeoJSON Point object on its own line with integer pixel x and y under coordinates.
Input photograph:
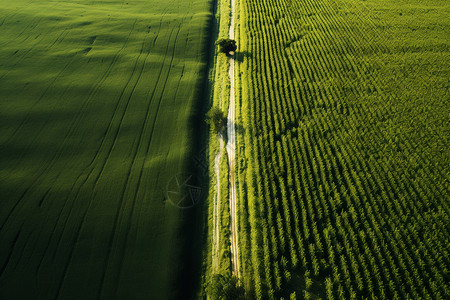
{"type": "Point", "coordinates": [336, 202]}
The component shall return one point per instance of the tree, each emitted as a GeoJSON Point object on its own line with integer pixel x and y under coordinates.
{"type": "Point", "coordinates": [225, 288]}
{"type": "Point", "coordinates": [217, 119]}
{"type": "Point", "coordinates": [226, 45]}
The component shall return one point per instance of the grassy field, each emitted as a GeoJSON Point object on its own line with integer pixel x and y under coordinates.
{"type": "Point", "coordinates": [97, 104]}
{"type": "Point", "coordinates": [343, 154]}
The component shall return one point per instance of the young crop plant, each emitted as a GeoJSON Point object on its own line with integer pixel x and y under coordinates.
{"type": "Point", "coordinates": [344, 185]}
{"type": "Point", "coordinates": [225, 288]}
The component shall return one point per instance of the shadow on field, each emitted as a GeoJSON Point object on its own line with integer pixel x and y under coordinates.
{"type": "Point", "coordinates": [239, 56]}
{"type": "Point", "coordinates": [195, 220]}
{"type": "Point", "coordinates": [239, 128]}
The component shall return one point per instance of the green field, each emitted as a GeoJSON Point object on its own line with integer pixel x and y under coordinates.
{"type": "Point", "coordinates": [342, 160]}
{"type": "Point", "coordinates": [97, 105]}
{"type": "Point", "coordinates": [343, 153]}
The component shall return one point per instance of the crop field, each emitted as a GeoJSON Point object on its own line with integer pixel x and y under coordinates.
{"type": "Point", "coordinates": [343, 161]}
{"type": "Point", "coordinates": [97, 102]}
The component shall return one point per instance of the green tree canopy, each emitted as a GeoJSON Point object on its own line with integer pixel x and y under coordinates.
{"type": "Point", "coordinates": [226, 45]}
{"type": "Point", "coordinates": [225, 288]}
{"type": "Point", "coordinates": [217, 119]}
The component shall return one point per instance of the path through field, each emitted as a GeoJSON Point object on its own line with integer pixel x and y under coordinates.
{"type": "Point", "coordinates": [231, 143]}
{"type": "Point", "coordinates": [216, 212]}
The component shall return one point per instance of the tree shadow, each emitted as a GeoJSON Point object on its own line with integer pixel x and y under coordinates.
{"type": "Point", "coordinates": [239, 128]}
{"type": "Point", "coordinates": [239, 56]}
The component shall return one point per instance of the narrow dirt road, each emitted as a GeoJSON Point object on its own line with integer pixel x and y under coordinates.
{"type": "Point", "coordinates": [231, 145]}
{"type": "Point", "coordinates": [216, 212]}
{"type": "Point", "coordinates": [230, 148]}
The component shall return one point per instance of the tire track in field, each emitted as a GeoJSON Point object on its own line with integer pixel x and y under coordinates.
{"type": "Point", "coordinates": [164, 87]}
{"type": "Point", "coordinates": [22, 250]}
{"type": "Point", "coordinates": [78, 231]}
{"type": "Point", "coordinates": [93, 93]}
{"type": "Point", "coordinates": [31, 142]}
{"type": "Point", "coordinates": [124, 112]}
{"type": "Point", "coordinates": [29, 145]}
{"type": "Point", "coordinates": [151, 98]}
{"type": "Point", "coordinates": [8, 257]}
{"type": "Point", "coordinates": [142, 138]}
{"type": "Point", "coordinates": [31, 25]}
{"type": "Point", "coordinates": [122, 106]}
{"type": "Point", "coordinates": [97, 177]}
{"type": "Point", "coordinates": [38, 100]}
{"type": "Point", "coordinates": [12, 13]}
{"type": "Point", "coordinates": [74, 125]}
{"type": "Point", "coordinates": [110, 125]}
{"type": "Point", "coordinates": [55, 226]}
{"type": "Point", "coordinates": [13, 67]}
{"type": "Point", "coordinates": [113, 244]}
{"type": "Point", "coordinates": [71, 130]}
{"type": "Point", "coordinates": [60, 285]}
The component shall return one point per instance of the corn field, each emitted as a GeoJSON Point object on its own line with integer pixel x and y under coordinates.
{"type": "Point", "coordinates": [343, 156]}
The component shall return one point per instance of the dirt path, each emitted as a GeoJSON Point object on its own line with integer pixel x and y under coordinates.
{"type": "Point", "coordinates": [216, 212]}
{"type": "Point", "coordinates": [231, 145]}
{"type": "Point", "coordinates": [230, 148]}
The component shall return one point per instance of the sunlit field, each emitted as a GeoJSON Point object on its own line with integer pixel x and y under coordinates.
{"type": "Point", "coordinates": [343, 154]}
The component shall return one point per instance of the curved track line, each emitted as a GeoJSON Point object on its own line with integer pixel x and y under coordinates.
{"type": "Point", "coordinates": [216, 209]}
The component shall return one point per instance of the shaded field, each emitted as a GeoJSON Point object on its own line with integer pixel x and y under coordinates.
{"type": "Point", "coordinates": [343, 156]}
{"type": "Point", "coordinates": [97, 104]}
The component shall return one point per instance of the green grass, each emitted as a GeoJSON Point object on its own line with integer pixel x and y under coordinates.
{"type": "Point", "coordinates": [219, 97]}
{"type": "Point", "coordinates": [344, 190]}
{"type": "Point", "coordinates": [97, 100]}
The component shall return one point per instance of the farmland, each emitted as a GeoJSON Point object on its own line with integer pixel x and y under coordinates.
{"type": "Point", "coordinates": [342, 149]}
{"type": "Point", "coordinates": [97, 104]}
{"type": "Point", "coordinates": [330, 180]}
